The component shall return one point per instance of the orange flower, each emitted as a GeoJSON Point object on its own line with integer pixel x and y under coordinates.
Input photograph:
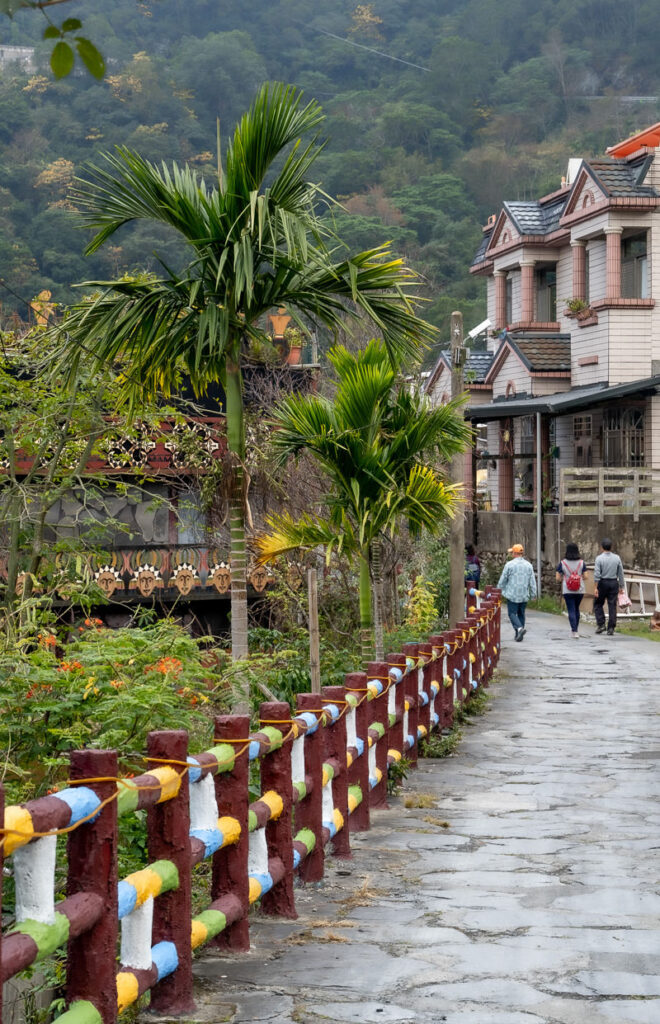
{"type": "Point", "coordinates": [47, 639]}
{"type": "Point", "coordinates": [69, 666]}
{"type": "Point", "coordinates": [166, 665]}
{"type": "Point", "coordinates": [117, 684]}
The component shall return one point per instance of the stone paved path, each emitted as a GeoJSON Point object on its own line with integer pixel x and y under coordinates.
{"type": "Point", "coordinates": [539, 904]}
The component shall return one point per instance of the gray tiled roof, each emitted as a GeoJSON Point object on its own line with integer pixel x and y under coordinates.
{"type": "Point", "coordinates": [547, 354]}
{"type": "Point", "coordinates": [477, 365]}
{"type": "Point", "coordinates": [620, 178]}
{"type": "Point", "coordinates": [536, 218]}
{"type": "Point", "coordinates": [479, 254]}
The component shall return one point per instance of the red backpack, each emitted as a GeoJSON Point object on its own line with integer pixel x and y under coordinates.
{"type": "Point", "coordinates": [573, 577]}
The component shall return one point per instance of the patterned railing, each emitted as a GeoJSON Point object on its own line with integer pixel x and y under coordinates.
{"type": "Point", "coordinates": [329, 762]}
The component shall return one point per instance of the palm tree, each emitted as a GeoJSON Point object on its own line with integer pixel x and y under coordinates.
{"type": "Point", "coordinates": [256, 242]}
{"type": "Point", "coordinates": [373, 441]}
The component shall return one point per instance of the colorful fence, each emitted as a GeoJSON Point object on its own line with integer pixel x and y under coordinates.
{"type": "Point", "coordinates": [329, 762]}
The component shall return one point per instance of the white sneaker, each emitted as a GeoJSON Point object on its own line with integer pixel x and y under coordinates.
{"type": "Point", "coordinates": [576, 636]}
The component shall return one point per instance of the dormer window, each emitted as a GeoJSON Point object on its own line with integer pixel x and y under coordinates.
{"type": "Point", "coordinates": [634, 267]}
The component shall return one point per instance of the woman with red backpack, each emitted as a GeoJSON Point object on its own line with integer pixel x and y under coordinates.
{"type": "Point", "coordinates": [570, 572]}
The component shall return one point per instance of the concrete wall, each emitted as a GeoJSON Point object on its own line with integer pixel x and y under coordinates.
{"type": "Point", "coordinates": [638, 544]}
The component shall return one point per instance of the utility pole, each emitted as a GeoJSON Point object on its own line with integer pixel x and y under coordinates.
{"type": "Point", "coordinates": [457, 525]}
{"type": "Point", "coordinates": [314, 645]}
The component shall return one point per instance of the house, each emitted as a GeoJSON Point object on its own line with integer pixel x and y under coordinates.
{"type": "Point", "coordinates": [573, 290]}
{"type": "Point", "coordinates": [147, 520]}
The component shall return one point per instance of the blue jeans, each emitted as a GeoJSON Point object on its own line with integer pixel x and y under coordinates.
{"type": "Point", "coordinates": [516, 610]}
{"type": "Point", "coordinates": [573, 609]}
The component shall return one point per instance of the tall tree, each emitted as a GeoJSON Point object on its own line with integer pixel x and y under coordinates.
{"type": "Point", "coordinates": [256, 242]}
{"type": "Point", "coordinates": [381, 446]}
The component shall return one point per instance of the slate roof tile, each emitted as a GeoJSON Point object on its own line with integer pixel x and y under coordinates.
{"type": "Point", "coordinates": [545, 354]}
{"type": "Point", "coordinates": [620, 178]}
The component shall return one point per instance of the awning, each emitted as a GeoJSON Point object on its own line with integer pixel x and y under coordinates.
{"type": "Point", "coordinates": [564, 401]}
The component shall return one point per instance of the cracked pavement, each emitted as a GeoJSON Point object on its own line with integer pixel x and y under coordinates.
{"type": "Point", "coordinates": [539, 904]}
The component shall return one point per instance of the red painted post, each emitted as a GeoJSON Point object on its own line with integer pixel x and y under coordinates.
{"type": "Point", "coordinates": [335, 751]}
{"type": "Point", "coordinates": [443, 705]}
{"type": "Point", "coordinates": [358, 772]}
{"type": "Point", "coordinates": [230, 866]}
{"type": "Point", "coordinates": [309, 812]}
{"type": "Point", "coordinates": [411, 651]}
{"type": "Point", "coordinates": [396, 740]}
{"type": "Point", "coordinates": [377, 713]}
{"type": "Point", "coordinates": [92, 869]}
{"type": "Point", "coordinates": [2, 857]}
{"type": "Point", "coordinates": [426, 670]}
{"type": "Point", "coordinates": [276, 775]}
{"type": "Point", "coordinates": [168, 833]}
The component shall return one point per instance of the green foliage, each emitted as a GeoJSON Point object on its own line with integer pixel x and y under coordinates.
{"type": "Point", "coordinates": [397, 773]}
{"type": "Point", "coordinates": [105, 689]}
{"type": "Point", "coordinates": [438, 745]}
{"type": "Point", "coordinates": [421, 608]}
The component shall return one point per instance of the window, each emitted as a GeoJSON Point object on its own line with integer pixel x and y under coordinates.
{"type": "Point", "coordinates": [546, 294]}
{"type": "Point", "coordinates": [582, 430]}
{"type": "Point", "coordinates": [623, 437]}
{"type": "Point", "coordinates": [509, 300]}
{"type": "Point", "coordinates": [586, 275]}
{"type": "Point", "coordinates": [527, 435]}
{"type": "Point", "coordinates": [634, 267]}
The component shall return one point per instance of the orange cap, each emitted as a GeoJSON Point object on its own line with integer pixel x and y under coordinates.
{"type": "Point", "coordinates": [517, 549]}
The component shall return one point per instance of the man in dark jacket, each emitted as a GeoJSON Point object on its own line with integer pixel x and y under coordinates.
{"type": "Point", "coordinates": [609, 583]}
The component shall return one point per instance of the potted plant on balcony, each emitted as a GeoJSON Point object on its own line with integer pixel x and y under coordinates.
{"type": "Point", "coordinates": [577, 308]}
{"type": "Point", "coordinates": [294, 339]}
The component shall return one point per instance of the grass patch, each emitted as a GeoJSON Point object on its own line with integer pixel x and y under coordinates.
{"type": "Point", "coordinates": [362, 897]}
{"type": "Point", "coordinates": [547, 603]}
{"type": "Point", "coordinates": [420, 800]}
{"type": "Point", "coordinates": [438, 822]}
{"type": "Point", "coordinates": [637, 627]}
{"type": "Point", "coordinates": [437, 745]}
{"type": "Point", "coordinates": [309, 935]}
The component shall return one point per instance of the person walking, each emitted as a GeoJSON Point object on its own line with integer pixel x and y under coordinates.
{"type": "Point", "coordinates": [570, 572]}
{"type": "Point", "coordinates": [518, 585]}
{"type": "Point", "coordinates": [609, 582]}
{"type": "Point", "coordinates": [472, 565]}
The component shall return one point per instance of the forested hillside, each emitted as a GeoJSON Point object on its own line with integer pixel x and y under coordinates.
{"type": "Point", "coordinates": [437, 109]}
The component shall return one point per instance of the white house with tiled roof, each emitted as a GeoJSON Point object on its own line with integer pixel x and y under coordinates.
{"type": "Point", "coordinates": [571, 293]}
{"type": "Point", "coordinates": [573, 367]}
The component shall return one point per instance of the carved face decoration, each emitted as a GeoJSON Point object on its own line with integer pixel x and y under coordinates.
{"type": "Point", "coordinates": [221, 578]}
{"type": "Point", "coordinates": [146, 581]}
{"type": "Point", "coordinates": [259, 578]}
{"type": "Point", "coordinates": [107, 581]}
{"type": "Point", "coordinates": [184, 581]}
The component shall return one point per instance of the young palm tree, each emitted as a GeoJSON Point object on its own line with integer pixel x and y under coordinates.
{"type": "Point", "coordinates": [373, 441]}
{"type": "Point", "coordinates": [255, 243]}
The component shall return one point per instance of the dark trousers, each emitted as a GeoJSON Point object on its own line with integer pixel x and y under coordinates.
{"type": "Point", "coordinates": [608, 590]}
{"type": "Point", "coordinates": [516, 610]}
{"type": "Point", "coordinates": [573, 609]}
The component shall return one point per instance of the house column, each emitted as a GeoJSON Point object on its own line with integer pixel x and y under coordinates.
{"type": "Point", "coordinates": [579, 269]}
{"type": "Point", "coordinates": [505, 467]}
{"type": "Point", "coordinates": [500, 299]}
{"type": "Point", "coordinates": [613, 263]}
{"type": "Point", "coordinates": [527, 290]}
